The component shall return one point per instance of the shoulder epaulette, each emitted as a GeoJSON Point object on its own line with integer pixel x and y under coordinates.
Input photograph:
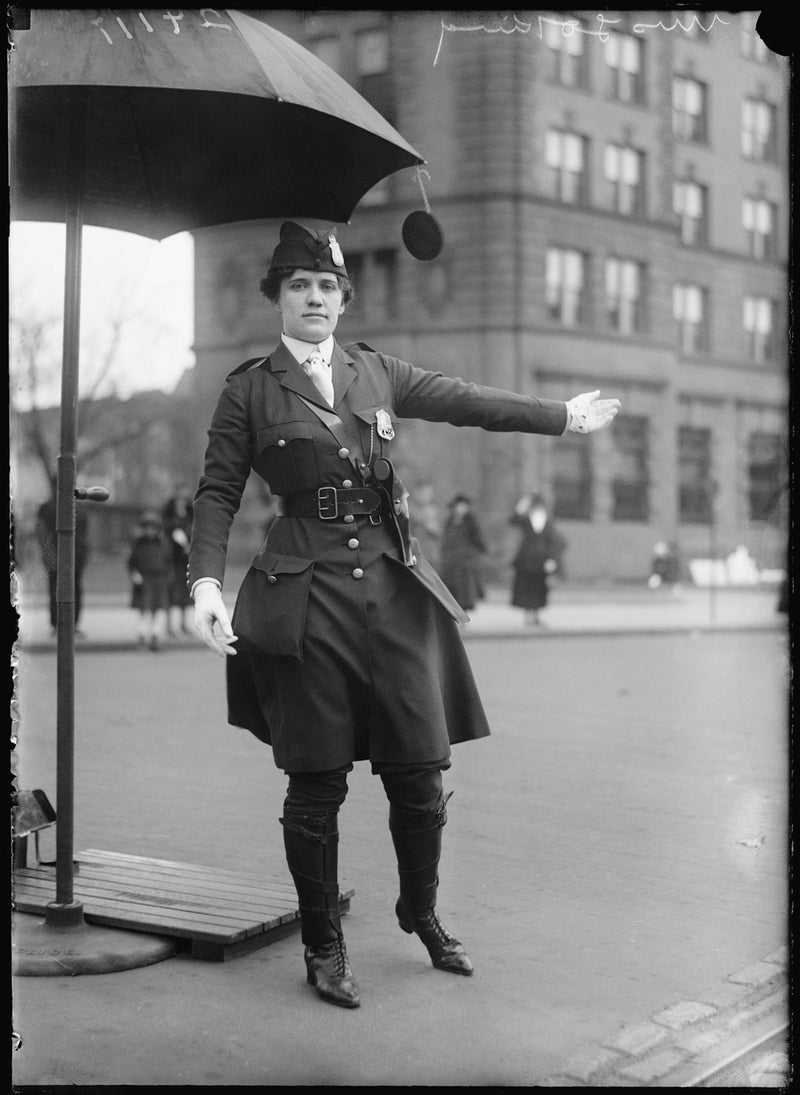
{"type": "Point", "coordinates": [245, 366]}
{"type": "Point", "coordinates": [361, 346]}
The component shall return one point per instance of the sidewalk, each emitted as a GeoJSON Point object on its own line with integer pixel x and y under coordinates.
{"type": "Point", "coordinates": [108, 623]}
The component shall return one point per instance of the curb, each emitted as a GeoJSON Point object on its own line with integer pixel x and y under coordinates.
{"type": "Point", "coordinates": [681, 1043]}
{"type": "Point", "coordinates": [95, 646]}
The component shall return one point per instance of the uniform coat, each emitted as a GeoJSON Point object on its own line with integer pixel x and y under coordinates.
{"type": "Point", "coordinates": [345, 652]}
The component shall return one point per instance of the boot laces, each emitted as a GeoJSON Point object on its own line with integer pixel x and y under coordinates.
{"type": "Point", "coordinates": [433, 924]}
{"type": "Point", "coordinates": [340, 955]}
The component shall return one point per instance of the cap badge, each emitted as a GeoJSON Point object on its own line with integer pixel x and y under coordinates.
{"type": "Point", "coordinates": [384, 422]}
{"type": "Point", "coordinates": [336, 251]}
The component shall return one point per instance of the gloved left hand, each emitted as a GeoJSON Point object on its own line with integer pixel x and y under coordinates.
{"type": "Point", "coordinates": [586, 413]}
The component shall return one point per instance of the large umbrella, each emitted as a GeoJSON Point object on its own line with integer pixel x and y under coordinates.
{"type": "Point", "coordinates": [156, 122]}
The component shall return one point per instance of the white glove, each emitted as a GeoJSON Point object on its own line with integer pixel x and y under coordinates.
{"type": "Point", "coordinates": [586, 413]}
{"type": "Point", "coordinates": [209, 609]}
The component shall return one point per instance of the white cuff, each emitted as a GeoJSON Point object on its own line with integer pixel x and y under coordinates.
{"type": "Point", "coordinates": [199, 580]}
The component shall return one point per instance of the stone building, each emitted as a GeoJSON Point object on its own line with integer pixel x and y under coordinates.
{"type": "Point", "coordinates": [613, 191]}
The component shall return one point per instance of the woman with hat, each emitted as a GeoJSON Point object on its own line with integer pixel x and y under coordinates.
{"type": "Point", "coordinates": [344, 643]}
{"type": "Point", "coordinates": [149, 565]}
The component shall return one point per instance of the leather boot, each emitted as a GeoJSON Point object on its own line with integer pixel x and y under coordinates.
{"type": "Point", "coordinates": [417, 839]}
{"type": "Point", "coordinates": [311, 842]}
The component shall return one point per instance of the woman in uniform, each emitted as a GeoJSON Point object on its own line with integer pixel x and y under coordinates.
{"type": "Point", "coordinates": [344, 643]}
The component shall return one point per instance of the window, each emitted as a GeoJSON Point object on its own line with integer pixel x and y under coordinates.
{"type": "Point", "coordinates": [372, 52]}
{"type": "Point", "coordinates": [566, 54]}
{"type": "Point", "coordinates": [623, 55]}
{"type": "Point", "coordinates": [624, 293]}
{"type": "Point", "coordinates": [565, 156]}
{"type": "Point", "coordinates": [565, 279]}
{"type": "Point", "coordinates": [758, 220]}
{"type": "Point", "coordinates": [374, 277]}
{"type": "Point", "coordinates": [329, 51]}
{"type": "Point", "coordinates": [764, 475]}
{"type": "Point", "coordinates": [382, 291]}
{"type": "Point", "coordinates": [690, 309]}
{"type": "Point", "coordinates": [372, 76]}
{"type": "Point", "coordinates": [624, 171]}
{"type": "Point", "coordinates": [689, 109]}
{"type": "Point", "coordinates": [759, 326]}
{"type": "Point", "coordinates": [753, 45]}
{"type": "Point", "coordinates": [629, 483]}
{"type": "Point", "coordinates": [572, 478]}
{"type": "Point", "coordinates": [690, 204]}
{"type": "Point", "coordinates": [694, 475]}
{"type": "Point", "coordinates": [759, 130]}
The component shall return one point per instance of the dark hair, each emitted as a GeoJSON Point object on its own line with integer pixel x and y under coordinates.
{"type": "Point", "coordinates": [270, 286]}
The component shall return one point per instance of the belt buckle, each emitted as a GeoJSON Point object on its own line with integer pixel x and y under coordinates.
{"type": "Point", "coordinates": [327, 503]}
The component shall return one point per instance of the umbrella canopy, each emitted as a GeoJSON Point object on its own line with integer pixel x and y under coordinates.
{"type": "Point", "coordinates": [156, 122]}
{"type": "Point", "coordinates": [192, 119]}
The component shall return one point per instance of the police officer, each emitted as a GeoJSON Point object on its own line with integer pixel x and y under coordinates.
{"type": "Point", "coordinates": [344, 643]}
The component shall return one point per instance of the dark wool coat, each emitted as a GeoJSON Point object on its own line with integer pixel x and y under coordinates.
{"type": "Point", "coordinates": [462, 547]}
{"type": "Point", "coordinates": [530, 588]}
{"type": "Point", "coordinates": [345, 651]}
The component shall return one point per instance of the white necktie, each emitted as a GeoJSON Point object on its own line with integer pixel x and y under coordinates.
{"type": "Point", "coordinates": [320, 374]}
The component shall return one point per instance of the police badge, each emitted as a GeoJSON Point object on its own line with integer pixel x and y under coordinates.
{"type": "Point", "coordinates": [384, 423]}
{"type": "Point", "coordinates": [336, 251]}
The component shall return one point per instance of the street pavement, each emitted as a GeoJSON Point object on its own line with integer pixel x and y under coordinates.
{"type": "Point", "coordinates": [615, 862]}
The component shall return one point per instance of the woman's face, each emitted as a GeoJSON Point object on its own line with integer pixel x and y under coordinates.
{"type": "Point", "coordinates": [310, 304]}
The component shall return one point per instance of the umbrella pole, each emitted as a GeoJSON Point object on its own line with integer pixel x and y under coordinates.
{"type": "Point", "coordinates": [65, 911]}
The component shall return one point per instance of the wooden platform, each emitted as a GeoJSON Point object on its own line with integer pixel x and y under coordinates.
{"type": "Point", "coordinates": [220, 914]}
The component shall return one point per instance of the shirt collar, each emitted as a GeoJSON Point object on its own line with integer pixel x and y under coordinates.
{"type": "Point", "coordinates": [300, 350]}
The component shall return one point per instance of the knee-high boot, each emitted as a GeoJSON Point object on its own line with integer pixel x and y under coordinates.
{"type": "Point", "coordinates": [417, 838]}
{"type": "Point", "coordinates": [311, 842]}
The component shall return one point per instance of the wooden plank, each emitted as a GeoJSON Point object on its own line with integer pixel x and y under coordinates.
{"type": "Point", "coordinates": [255, 884]}
{"type": "Point", "coordinates": [222, 923]}
{"type": "Point", "coordinates": [95, 881]}
{"type": "Point", "coordinates": [230, 883]}
{"type": "Point", "coordinates": [179, 884]}
{"type": "Point", "coordinates": [132, 889]}
{"type": "Point", "coordinates": [153, 922]}
{"type": "Point", "coordinates": [232, 917]}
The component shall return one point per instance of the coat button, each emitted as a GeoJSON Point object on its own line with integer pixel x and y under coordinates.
{"type": "Point", "coordinates": [348, 518]}
{"type": "Point", "coordinates": [347, 483]}
{"type": "Point", "coordinates": [352, 544]}
{"type": "Point", "coordinates": [358, 573]}
{"type": "Point", "coordinates": [281, 443]}
{"type": "Point", "coordinates": [344, 453]}
{"type": "Point", "coordinates": [271, 579]}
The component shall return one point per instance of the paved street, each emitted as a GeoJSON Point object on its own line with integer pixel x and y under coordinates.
{"type": "Point", "coordinates": [616, 848]}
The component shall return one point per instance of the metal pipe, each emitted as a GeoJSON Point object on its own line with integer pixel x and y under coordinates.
{"type": "Point", "coordinates": [65, 910]}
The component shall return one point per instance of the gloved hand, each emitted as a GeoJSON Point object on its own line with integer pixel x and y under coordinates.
{"type": "Point", "coordinates": [209, 609]}
{"type": "Point", "coordinates": [550, 566]}
{"type": "Point", "coordinates": [586, 413]}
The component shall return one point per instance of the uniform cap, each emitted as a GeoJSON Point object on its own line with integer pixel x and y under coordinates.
{"type": "Point", "coordinates": [304, 249]}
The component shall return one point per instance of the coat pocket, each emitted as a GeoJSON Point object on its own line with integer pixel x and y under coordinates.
{"type": "Point", "coordinates": [285, 455]}
{"type": "Point", "coordinates": [270, 612]}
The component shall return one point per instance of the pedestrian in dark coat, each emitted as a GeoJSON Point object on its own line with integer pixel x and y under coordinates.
{"type": "Point", "coordinates": [149, 565]}
{"type": "Point", "coordinates": [462, 548]}
{"type": "Point", "coordinates": [538, 556]}
{"type": "Point", "coordinates": [177, 518]}
{"type": "Point", "coordinates": [346, 643]}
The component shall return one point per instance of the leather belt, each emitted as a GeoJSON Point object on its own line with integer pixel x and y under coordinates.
{"type": "Point", "coordinates": [328, 503]}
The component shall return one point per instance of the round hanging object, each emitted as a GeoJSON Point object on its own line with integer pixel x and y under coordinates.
{"type": "Point", "coordinates": [422, 235]}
